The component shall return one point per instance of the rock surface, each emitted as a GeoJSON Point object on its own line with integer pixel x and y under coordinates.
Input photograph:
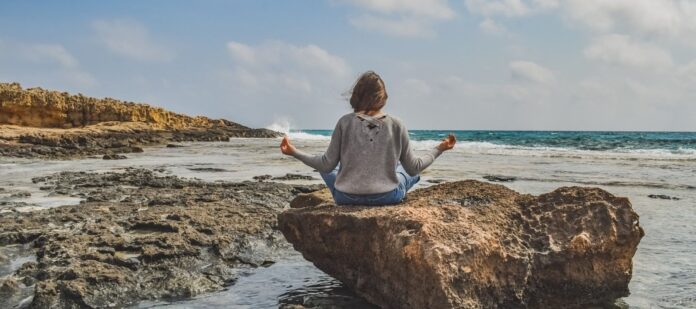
{"type": "Point", "coordinates": [499, 178]}
{"type": "Point", "coordinates": [50, 124]}
{"type": "Point", "coordinates": [663, 197]}
{"type": "Point", "coordinates": [141, 235]}
{"type": "Point", "coordinates": [36, 107]}
{"type": "Point", "coordinates": [471, 244]}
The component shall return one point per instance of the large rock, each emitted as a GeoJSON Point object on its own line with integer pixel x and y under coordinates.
{"type": "Point", "coordinates": [471, 244]}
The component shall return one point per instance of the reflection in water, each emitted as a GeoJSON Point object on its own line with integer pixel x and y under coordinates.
{"type": "Point", "coordinates": [290, 281]}
{"type": "Point", "coordinates": [328, 293]}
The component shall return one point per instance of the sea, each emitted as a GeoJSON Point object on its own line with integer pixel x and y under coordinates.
{"type": "Point", "coordinates": [655, 170]}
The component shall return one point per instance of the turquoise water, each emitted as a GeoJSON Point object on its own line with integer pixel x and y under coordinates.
{"type": "Point", "coordinates": [672, 142]}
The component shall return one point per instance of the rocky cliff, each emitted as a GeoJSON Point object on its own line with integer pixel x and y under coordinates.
{"type": "Point", "coordinates": [36, 107]}
{"type": "Point", "coordinates": [471, 244]}
{"type": "Point", "coordinates": [37, 123]}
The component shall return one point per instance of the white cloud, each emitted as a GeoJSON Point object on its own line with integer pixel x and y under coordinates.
{"type": "Point", "coordinates": [436, 9]}
{"type": "Point", "coordinates": [277, 67]}
{"type": "Point", "coordinates": [491, 27]}
{"type": "Point", "coordinates": [401, 18]}
{"type": "Point", "coordinates": [622, 50]}
{"type": "Point", "coordinates": [55, 62]}
{"type": "Point", "coordinates": [530, 71]}
{"type": "Point", "coordinates": [645, 17]}
{"type": "Point", "coordinates": [400, 26]}
{"type": "Point", "coordinates": [241, 52]}
{"type": "Point", "coordinates": [50, 53]}
{"type": "Point", "coordinates": [130, 39]}
{"type": "Point", "coordinates": [674, 20]}
{"type": "Point", "coordinates": [283, 56]}
{"type": "Point", "coordinates": [687, 73]}
{"type": "Point", "coordinates": [416, 86]}
{"type": "Point", "coordinates": [498, 7]}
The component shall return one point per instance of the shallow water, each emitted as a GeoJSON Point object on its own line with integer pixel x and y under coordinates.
{"type": "Point", "coordinates": [664, 265]}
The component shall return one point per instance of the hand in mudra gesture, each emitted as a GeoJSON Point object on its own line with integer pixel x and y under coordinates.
{"type": "Point", "coordinates": [447, 143]}
{"type": "Point", "coordinates": [285, 146]}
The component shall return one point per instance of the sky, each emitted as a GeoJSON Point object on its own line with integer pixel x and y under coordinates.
{"type": "Point", "coordinates": [459, 64]}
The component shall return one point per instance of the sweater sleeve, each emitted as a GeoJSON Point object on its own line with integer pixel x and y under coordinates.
{"type": "Point", "coordinates": [412, 164]}
{"type": "Point", "coordinates": [326, 162]}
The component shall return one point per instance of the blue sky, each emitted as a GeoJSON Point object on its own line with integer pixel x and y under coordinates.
{"type": "Point", "coordinates": [461, 64]}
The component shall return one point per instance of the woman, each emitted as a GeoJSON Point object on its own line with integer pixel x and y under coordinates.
{"type": "Point", "coordinates": [373, 149]}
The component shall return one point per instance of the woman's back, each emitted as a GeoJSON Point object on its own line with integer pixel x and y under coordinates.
{"type": "Point", "coordinates": [368, 149]}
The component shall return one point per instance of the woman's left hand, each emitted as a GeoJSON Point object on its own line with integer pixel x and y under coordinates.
{"type": "Point", "coordinates": [448, 143]}
{"type": "Point", "coordinates": [285, 146]}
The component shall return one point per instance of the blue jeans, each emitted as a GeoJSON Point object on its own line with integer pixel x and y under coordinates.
{"type": "Point", "coordinates": [395, 196]}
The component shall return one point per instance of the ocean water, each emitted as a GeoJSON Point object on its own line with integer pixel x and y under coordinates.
{"type": "Point", "coordinates": [631, 164]}
{"type": "Point", "coordinates": [676, 143]}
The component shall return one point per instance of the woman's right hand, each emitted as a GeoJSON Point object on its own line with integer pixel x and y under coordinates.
{"type": "Point", "coordinates": [447, 143]}
{"type": "Point", "coordinates": [285, 146]}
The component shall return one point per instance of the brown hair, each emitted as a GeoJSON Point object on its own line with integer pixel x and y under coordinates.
{"type": "Point", "coordinates": [368, 93]}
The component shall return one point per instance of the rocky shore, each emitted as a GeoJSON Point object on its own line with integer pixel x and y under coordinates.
{"type": "Point", "coordinates": [37, 123]}
{"type": "Point", "coordinates": [471, 244]}
{"type": "Point", "coordinates": [140, 234]}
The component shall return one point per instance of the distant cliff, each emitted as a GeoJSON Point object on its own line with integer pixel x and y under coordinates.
{"type": "Point", "coordinates": [36, 107]}
{"type": "Point", "coordinates": [38, 123]}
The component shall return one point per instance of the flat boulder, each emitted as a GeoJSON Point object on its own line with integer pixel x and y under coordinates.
{"type": "Point", "coordinates": [470, 244]}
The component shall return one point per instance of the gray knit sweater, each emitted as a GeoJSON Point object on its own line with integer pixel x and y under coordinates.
{"type": "Point", "coordinates": [368, 149]}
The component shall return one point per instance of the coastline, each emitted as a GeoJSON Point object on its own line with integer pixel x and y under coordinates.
{"type": "Point", "coordinates": [238, 160]}
{"type": "Point", "coordinates": [38, 123]}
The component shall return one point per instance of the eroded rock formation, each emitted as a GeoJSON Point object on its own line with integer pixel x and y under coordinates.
{"type": "Point", "coordinates": [36, 107]}
{"type": "Point", "coordinates": [49, 124]}
{"type": "Point", "coordinates": [141, 235]}
{"type": "Point", "coordinates": [471, 244]}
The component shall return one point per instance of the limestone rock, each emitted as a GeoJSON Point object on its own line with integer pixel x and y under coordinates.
{"type": "Point", "coordinates": [142, 235]}
{"type": "Point", "coordinates": [36, 107]}
{"type": "Point", "coordinates": [470, 244]}
{"type": "Point", "coordinates": [37, 123]}
{"type": "Point", "coordinates": [113, 156]}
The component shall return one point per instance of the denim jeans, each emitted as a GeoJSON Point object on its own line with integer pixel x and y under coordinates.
{"type": "Point", "coordinates": [395, 196]}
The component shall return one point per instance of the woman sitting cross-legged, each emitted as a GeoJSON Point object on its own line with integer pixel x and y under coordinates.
{"type": "Point", "coordinates": [369, 160]}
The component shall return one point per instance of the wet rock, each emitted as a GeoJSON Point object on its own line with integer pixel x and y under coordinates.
{"type": "Point", "coordinates": [22, 194]}
{"type": "Point", "coordinates": [499, 178]}
{"type": "Point", "coordinates": [322, 197]}
{"type": "Point", "coordinates": [8, 286]}
{"type": "Point", "coordinates": [262, 177]}
{"type": "Point", "coordinates": [114, 157]}
{"type": "Point", "coordinates": [435, 180]}
{"type": "Point", "coordinates": [174, 146]}
{"type": "Point", "coordinates": [470, 244]}
{"type": "Point", "coordinates": [140, 235]}
{"type": "Point", "coordinates": [207, 169]}
{"type": "Point", "coordinates": [290, 176]}
{"type": "Point", "coordinates": [663, 197]}
{"type": "Point", "coordinates": [308, 188]}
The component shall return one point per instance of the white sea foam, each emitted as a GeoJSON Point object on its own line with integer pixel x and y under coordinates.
{"type": "Point", "coordinates": [299, 135]}
{"type": "Point", "coordinates": [681, 154]}
{"type": "Point", "coordinates": [282, 125]}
